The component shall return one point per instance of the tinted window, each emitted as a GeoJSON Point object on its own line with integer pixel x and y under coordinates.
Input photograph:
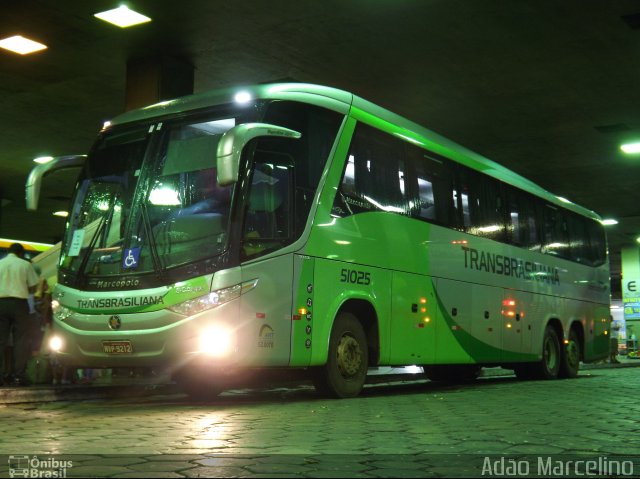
{"type": "Point", "coordinates": [375, 175]}
{"type": "Point", "coordinates": [309, 154]}
{"type": "Point", "coordinates": [597, 242]}
{"type": "Point", "coordinates": [556, 232]}
{"type": "Point", "coordinates": [386, 173]}
{"type": "Point", "coordinates": [579, 239]}
{"type": "Point", "coordinates": [432, 198]}
{"type": "Point", "coordinates": [522, 224]}
{"type": "Point", "coordinates": [482, 205]}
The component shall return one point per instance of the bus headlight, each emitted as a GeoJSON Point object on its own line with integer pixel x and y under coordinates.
{"type": "Point", "coordinates": [213, 299]}
{"type": "Point", "coordinates": [60, 313]}
{"type": "Point", "coordinates": [216, 341]}
{"type": "Point", "coordinates": [55, 344]}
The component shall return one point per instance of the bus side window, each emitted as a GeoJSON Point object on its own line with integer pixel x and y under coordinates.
{"type": "Point", "coordinates": [433, 196]}
{"type": "Point", "coordinates": [597, 242]}
{"type": "Point", "coordinates": [482, 204]}
{"type": "Point", "coordinates": [579, 239]}
{"type": "Point", "coordinates": [375, 176]}
{"type": "Point", "coordinates": [522, 224]}
{"type": "Point", "coordinates": [319, 128]}
{"type": "Point", "coordinates": [556, 234]}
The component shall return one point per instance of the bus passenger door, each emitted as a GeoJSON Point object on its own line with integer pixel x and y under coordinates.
{"type": "Point", "coordinates": [267, 228]}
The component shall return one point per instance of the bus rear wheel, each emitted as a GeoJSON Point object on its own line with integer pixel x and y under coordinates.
{"type": "Point", "coordinates": [570, 362]}
{"type": "Point", "coordinates": [344, 374]}
{"type": "Point", "coordinates": [549, 366]}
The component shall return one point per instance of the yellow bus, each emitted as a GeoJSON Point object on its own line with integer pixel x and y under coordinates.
{"type": "Point", "coordinates": [31, 248]}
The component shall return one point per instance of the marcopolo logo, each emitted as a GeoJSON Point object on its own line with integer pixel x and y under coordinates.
{"type": "Point", "coordinates": [33, 466]}
{"type": "Point", "coordinates": [117, 283]}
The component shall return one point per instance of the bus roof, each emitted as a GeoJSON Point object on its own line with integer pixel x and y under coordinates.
{"type": "Point", "coordinates": [343, 102]}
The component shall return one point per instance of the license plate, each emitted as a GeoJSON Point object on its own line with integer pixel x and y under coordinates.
{"type": "Point", "coordinates": [117, 347]}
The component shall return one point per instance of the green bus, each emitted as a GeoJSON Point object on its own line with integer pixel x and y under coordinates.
{"type": "Point", "coordinates": [296, 226]}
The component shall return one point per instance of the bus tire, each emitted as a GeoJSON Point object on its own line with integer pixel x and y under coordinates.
{"type": "Point", "coordinates": [570, 362]}
{"type": "Point", "coordinates": [344, 374]}
{"type": "Point", "coordinates": [549, 366]}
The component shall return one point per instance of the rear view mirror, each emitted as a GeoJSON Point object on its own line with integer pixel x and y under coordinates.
{"type": "Point", "coordinates": [234, 140]}
{"type": "Point", "coordinates": [34, 181]}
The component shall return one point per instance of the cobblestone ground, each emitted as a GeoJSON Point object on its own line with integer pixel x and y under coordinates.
{"type": "Point", "coordinates": [402, 430]}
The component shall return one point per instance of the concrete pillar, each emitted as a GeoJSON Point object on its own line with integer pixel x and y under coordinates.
{"type": "Point", "coordinates": [631, 295]}
{"type": "Point", "coordinates": [150, 80]}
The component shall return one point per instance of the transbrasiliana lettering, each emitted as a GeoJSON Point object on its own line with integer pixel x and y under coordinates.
{"type": "Point", "coordinates": [509, 266]}
{"type": "Point", "coordinates": [119, 302]}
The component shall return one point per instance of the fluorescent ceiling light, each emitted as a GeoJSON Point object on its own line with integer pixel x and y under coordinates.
{"type": "Point", "coordinates": [64, 214]}
{"type": "Point", "coordinates": [122, 17]}
{"type": "Point", "coordinates": [43, 159]}
{"type": "Point", "coordinates": [21, 45]}
{"type": "Point", "coordinates": [609, 222]}
{"type": "Point", "coordinates": [630, 148]}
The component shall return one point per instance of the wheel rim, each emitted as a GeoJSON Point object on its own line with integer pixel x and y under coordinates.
{"type": "Point", "coordinates": [550, 354]}
{"type": "Point", "coordinates": [349, 356]}
{"type": "Point", "coordinates": [573, 353]}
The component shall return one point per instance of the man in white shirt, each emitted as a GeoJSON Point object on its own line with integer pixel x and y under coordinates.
{"type": "Point", "coordinates": [18, 279]}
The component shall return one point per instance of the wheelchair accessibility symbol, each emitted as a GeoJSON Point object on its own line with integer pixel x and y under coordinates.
{"type": "Point", "coordinates": [131, 257]}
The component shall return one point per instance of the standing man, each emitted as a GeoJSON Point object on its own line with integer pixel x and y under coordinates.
{"type": "Point", "coordinates": [18, 279]}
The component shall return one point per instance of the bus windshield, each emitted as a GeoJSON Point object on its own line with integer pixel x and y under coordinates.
{"type": "Point", "coordinates": [148, 200]}
{"type": "Point", "coordinates": [144, 206]}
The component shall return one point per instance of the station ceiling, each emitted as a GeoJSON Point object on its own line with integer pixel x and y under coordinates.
{"type": "Point", "coordinates": [549, 89]}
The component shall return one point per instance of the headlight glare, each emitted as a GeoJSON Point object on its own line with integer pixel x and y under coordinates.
{"type": "Point", "coordinates": [55, 343]}
{"type": "Point", "coordinates": [216, 341]}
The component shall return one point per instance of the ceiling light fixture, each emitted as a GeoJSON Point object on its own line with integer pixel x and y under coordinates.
{"type": "Point", "coordinates": [631, 148]}
{"type": "Point", "coordinates": [21, 45]}
{"type": "Point", "coordinates": [609, 222]}
{"type": "Point", "coordinates": [123, 17]}
{"type": "Point", "coordinates": [63, 214]}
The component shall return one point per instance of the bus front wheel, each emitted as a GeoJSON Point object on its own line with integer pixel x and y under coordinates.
{"type": "Point", "coordinates": [344, 374]}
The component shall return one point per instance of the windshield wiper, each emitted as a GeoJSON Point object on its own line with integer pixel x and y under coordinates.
{"type": "Point", "coordinates": [157, 264]}
{"type": "Point", "coordinates": [90, 247]}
